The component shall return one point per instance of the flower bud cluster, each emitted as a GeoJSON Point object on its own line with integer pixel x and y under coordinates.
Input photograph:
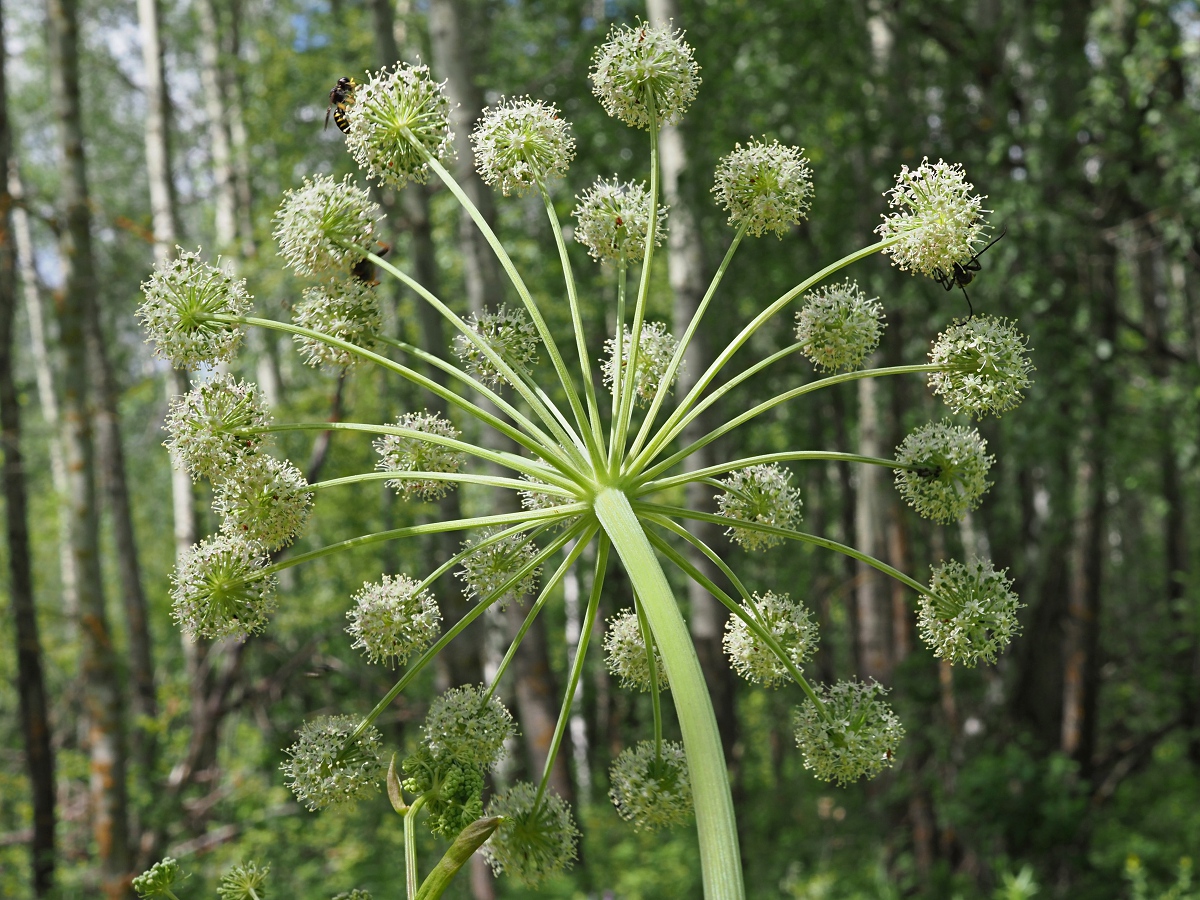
{"type": "Point", "coordinates": [204, 426]}
{"type": "Point", "coordinates": [453, 790]}
{"type": "Point", "coordinates": [988, 362]}
{"type": "Point", "coordinates": [181, 295]}
{"type": "Point", "coordinates": [157, 880]}
{"type": "Point", "coordinates": [243, 882]}
{"type": "Point", "coordinates": [326, 226]}
{"type": "Point", "coordinates": [855, 735]}
{"type": "Point", "coordinates": [766, 187]}
{"type": "Point", "coordinates": [969, 613]}
{"type": "Point", "coordinates": [346, 309]}
{"type": "Point", "coordinates": [536, 839]}
{"type": "Point", "coordinates": [399, 119]}
{"type": "Point", "coordinates": [508, 333]}
{"type": "Point", "coordinates": [400, 453]}
{"type": "Point", "coordinates": [645, 76]}
{"type": "Point", "coordinates": [625, 651]}
{"type": "Point", "coordinates": [356, 894]}
{"type": "Point", "coordinates": [951, 477]}
{"type": "Point", "coordinates": [264, 500]}
{"type": "Point", "coordinates": [759, 495]}
{"type": "Point", "coordinates": [612, 220]}
{"type": "Point", "coordinates": [392, 619]}
{"type": "Point", "coordinates": [937, 219]}
{"type": "Point", "coordinates": [520, 143]}
{"type": "Point", "coordinates": [656, 347]}
{"type": "Point", "coordinates": [839, 327]}
{"type": "Point", "coordinates": [651, 790]}
{"type": "Point", "coordinates": [322, 771]}
{"type": "Point", "coordinates": [492, 565]}
{"type": "Point", "coordinates": [788, 622]}
{"type": "Point", "coordinates": [464, 725]}
{"type": "Point", "coordinates": [219, 589]}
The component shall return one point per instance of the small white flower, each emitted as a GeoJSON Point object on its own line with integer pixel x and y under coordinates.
{"type": "Point", "coordinates": [766, 187]}
{"type": "Point", "coordinates": [391, 619]}
{"type": "Point", "coordinates": [326, 226]}
{"type": "Point", "coordinates": [651, 791]}
{"type": "Point", "coordinates": [521, 142]}
{"type": "Point", "coordinates": [509, 333]}
{"type": "Point", "coordinates": [642, 68]}
{"type": "Point", "coordinates": [656, 346]}
{"type": "Point", "coordinates": [410, 454]}
{"type": "Point", "coordinates": [535, 840]}
{"type": "Point", "coordinates": [462, 726]}
{"type": "Point", "coordinates": [989, 366]}
{"type": "Point", "coordinates": [791, 625]}
{"type": "Point", "coordinates": [348, 310]}
{"type": "Point", "coordinates": [264, 500]}
{"type": "Point", "coordinates": [219, 589]}
{"type": "Point", "coordinates": [540, 499]}
{"type": "Point", "coordinates": [204, 425]}
{"type": "Point", "coordinates": [762, 495]}
{"type": "Point", "coordinates": [953, 470]}
{"type": "Point", "coordinates": [626, 654]}
{"type": "Point", "coordinates": [937, 218]}
{"type": "Point", "coordinates": [490, 567]}
{"type": "Point", "coordinates": [612, 220]}
{"type": "Point", "coordinates": [397, 117]}
{"type": "Point", "coordinates": [969, 613]}
{"type": "Point", "coordinates": [856, 737]}
{"type": "Point", "coordinates": [181, 295]}
{"type": "Point", "coordinates": [839, 327]}
{"type": "Point", "coordinates": [322, 771]}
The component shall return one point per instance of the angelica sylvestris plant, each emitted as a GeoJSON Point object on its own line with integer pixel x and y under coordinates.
{"type": "Point", "coordinates": [597, 471]}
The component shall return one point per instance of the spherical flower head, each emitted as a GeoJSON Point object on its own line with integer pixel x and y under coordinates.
{"type": "Point", "coordinates": [645, 76]}
{"type": "Point", "coordinates": [325, 226]}
{"type": "Point", "coordinates": [649, 790]}
{"type": "Point", "coordinates": [857, 737]}
{"type": "Point", "coordinates": [762, 495]}
{"type": "Point", "coordinates": [400, 453]}
{"type": "Point", "coordinates": [839, 327]}
{"type": "Point", "coordinates": [462, 725]}
{"type": "Point", "coordinates": [157, 880]}
{"type": "Point", "coordinates": [989, 366]}
{"type": "Point", "coordinates": [264, 500]}
{"type": "Point", "coordinates": [936, 219]}
{"type": "Point", "coordinates": [508, 333]}
{"type": "Point", "coordinates": [392, 619]}
{"type": "Point", "coordinates": [969, 613]}
{"type": "Point", "coordinates": [492, 565]}
{"type": "Point", "coordinates": [766, 187]}
{"type": "Point", "coordinates": [520, 143]}
{"type": "Point", "coordinates": [322, 771]}
{"type": "Point", "coordinates": [790, 624]}
{"type": "Point", "coordinates": [625, 652]}
{"type": "Point", "coordinates": [204, 425]}
{"type": "Point", "coordinates": [951, 475]}
{"type": "Point", "coordinates": [397, 118]}
{"type": "Point", "coordinates": [536, 839]}
{"type": "Point", "coordinates": [612, 219]}
{"type": "Point", "coordinates": [453, 790]}
{"type": "Point", "coordinates": [180, 296]}
{"type": "Point", "coordinates": [347, 309]}
{"type": "Point", "coordinates": [243, 882]}
{"type": "Point", "coordinates": [219, 589]}
{"type": "Point", "coordinates": [656, 346]}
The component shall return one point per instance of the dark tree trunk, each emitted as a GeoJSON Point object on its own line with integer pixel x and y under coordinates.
{"type": "Point", "coordinates": [31, 687]}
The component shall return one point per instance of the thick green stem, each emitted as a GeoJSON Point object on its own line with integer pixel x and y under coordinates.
{"type": "Point", "coordinates": [410, 847]}
{"type": "Point", "coordinates": [720, 860]}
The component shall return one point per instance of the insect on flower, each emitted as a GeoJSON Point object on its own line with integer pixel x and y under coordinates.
{"type": "Point", "coordinates": [341, 97]}
{"type": "Point", "coordinates": [964, 273]}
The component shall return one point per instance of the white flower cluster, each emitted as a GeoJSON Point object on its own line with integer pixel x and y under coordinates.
{"type": "Point", "coordinates": [536, 839]}
{"type": "Point", "coordinates": [787, 621]}
{"type": "Point", "coordinates": [495, 564]}
{"type": "Point", "coordinates": [951, 477]}
{"type": "Point", "coordinates": [766, 187]}
{"type": "Point", "coordinates": [392, 619]}
{"type": "Point", "coordinates": [839, 327]}
{"type": "Point", "coordinates": [265, 501]}
{"type": "Point", "coordinates": [206, 425]}
{"type": "Point", "coordinates": [969, 613]}
{"type": "Point", "coordinates": [219, 589]}
{"type": "Point", "coordinates": [464, 726]}
{"type": "Point", "coordinates": [645, 76]}
{"type": "Point", "coordinates": [988, 362]}
{"type": "Point", "coordinates": [760, 495]}
{"type": "Point", "coordinates": [520, 143]}
{"type": "Point", "coordinates": [346, 309]}
{"type": "Point", "coordinates": [326, 226]}
{"type": "Point", "coordinates": [541, 499]}
{"type": "Point", "coordinates": [508, 333]}
{"type": "Point", "coordinates": [650, 790]}
{"type": "Point", "coordinates": [400, 453]}
{"type": "Point", "coordinates": [625, 651]}
{"type": "Point", "coordinates": [321, 771]}
{"type": "Point", "coordinates": [612, 220]}
{"type": "Point", "coordinates": [854, 735]}
{"type": "Point", "coordinates": [656, 346]}
{"type": "Point", "coordinates": [399, 117]}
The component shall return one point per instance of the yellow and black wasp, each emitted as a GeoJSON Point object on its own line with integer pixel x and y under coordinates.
{"type": "Point", "coordinates": [340, 98]}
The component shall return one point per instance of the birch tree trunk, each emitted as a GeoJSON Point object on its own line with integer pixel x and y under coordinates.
{"type": "Point", "coordinates": [874, 616]}
{"type": "Point", "coordinates": [215, 108]}
{"type": "Point", "coordinates": [98, 667]}
{"type": "Point", "coordinates": [31, 686]}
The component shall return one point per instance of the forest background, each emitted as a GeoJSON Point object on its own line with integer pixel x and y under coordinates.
{"type": "Point", "coordinates": [1069, 769]}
